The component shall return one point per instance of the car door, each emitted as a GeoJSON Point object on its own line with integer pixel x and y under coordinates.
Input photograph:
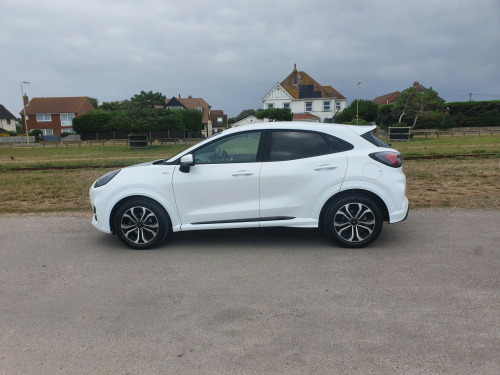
{"type": "Point", "coordinates": [222, 189]}
{"type": "Point", "coordinates": [300, 170]}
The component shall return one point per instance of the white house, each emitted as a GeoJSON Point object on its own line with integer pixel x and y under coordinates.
{"type": "Point", "coordinates": [303, 95]}
{"type": "Point", "coordinates": [247, 121]}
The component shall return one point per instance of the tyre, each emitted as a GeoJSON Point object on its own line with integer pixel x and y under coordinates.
{"type": "Point", "coordinates": [141, 223]}
{"type": "Point", "coordinates": [354, 221]}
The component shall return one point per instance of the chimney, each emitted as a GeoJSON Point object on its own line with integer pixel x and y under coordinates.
{"type": "Point", "coordinates": [295, 68]}
{"type": "Point", "coordinates": [25, 99]}
{"type": "Point", "coordinates": [415, 84]}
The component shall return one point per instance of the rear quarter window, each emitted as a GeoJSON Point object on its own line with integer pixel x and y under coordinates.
{"type": "Point", "coordinates": [374, 140]}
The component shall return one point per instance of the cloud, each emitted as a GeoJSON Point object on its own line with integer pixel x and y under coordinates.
{"type": "Point", "coordinates": [231, 53]}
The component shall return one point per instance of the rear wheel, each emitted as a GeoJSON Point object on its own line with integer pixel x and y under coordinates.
{"type": "Point", "coordinates": [354, 221]}
{"type": "Point", "coordinates": [141, 223]}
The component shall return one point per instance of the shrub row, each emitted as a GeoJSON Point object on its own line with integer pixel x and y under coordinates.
{"type": "Point", "coordinates": [138, 120]}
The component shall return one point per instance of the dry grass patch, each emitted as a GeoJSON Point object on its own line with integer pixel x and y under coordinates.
{"type": "Point", "coordinates": [467, 183]}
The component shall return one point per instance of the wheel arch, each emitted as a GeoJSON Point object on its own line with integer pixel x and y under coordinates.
{"type": "Point", "coordinates": [346, 193]}
{"type": "Point", "coordinates": [128, 198]}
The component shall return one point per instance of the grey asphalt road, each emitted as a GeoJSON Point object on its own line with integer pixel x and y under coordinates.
{"type": "Point", "coordinates": [423, 299]}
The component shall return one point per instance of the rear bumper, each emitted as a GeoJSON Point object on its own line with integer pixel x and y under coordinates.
{"type": "Point", "coordinates": [401, 215]}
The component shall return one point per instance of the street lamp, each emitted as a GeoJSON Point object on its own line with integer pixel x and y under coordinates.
{"type": "Point", "coordinates": [24, 111]}
{"type": "Point", "coordinates": [357, 104]}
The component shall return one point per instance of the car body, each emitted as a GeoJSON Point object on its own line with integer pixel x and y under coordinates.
{"type": "Point", "coordinates": [339, 178]}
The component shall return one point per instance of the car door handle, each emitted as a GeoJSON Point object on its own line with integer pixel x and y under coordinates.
{"type": "Point", "coordinates": [325, 166]}
{"type": "Point", "coordinates": [242, 173]}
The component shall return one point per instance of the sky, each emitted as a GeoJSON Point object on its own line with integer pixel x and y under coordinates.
{"type": "Point", "coordinates": [232, 52]}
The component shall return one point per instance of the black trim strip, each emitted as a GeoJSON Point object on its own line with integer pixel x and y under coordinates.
{"type": "Point", "coordinates": [249, 220]}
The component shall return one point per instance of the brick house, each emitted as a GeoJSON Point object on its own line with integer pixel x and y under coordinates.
{"type": "Point", "coordinates": [54, 116]}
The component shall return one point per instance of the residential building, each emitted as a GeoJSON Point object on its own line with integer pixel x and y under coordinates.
{"type": "Point", "coordinates": [387, 98]}
{"type": "Point", "coordinates": [7, 120]}
{"type": "Point", "coordinates": [54, 116]}
{"type": "Point", "coordinates": [393, 96]}
{"type": "Point", "coordinates": [194, 103]}
{"type": "Point", "coordinates": [303, 95]}
{"type": "Point", "coordinates": [219, 120]}
{"type": "Point", "coordinates": [247, 121]}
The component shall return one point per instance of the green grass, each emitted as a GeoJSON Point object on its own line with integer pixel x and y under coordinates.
{"type": "Point", "coordinates": [458, 182]}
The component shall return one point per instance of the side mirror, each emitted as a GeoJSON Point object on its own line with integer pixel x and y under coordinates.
{"type": "Point", "coordinates": [186, 162]}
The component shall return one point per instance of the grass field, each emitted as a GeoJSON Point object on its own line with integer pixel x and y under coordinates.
{"type": "Point", "coordinates": [458, 182]}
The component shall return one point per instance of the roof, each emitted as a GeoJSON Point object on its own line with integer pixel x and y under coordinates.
{"type": "Point", "coordinates": [301, 85]}
{"type": "Point", "coordinates": [5, 114]}
{"type": "Point", "coordinates": [387, 98]}
{"type": "Point", "coordinates": [56, 105]}
{"type": "Point", "coordinates": [305, 117]}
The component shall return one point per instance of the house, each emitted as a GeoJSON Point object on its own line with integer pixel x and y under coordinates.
{"type": "Point", "coordinates": [247, 121]}
{"type": "Point", "coordinates": [7, 120]}
{"type": "Point", "coordinates": [54, 116]}
{"type": "Point", "coordinates": [387, 98]}
{"type": "Point", "coordinates": [219, 120]}
{"type": "Point", "coordinates": [393, 96]}
{"type": "Point", "coordinates": [194, 103]}
{"type": "Point", "coordinates": [303, 95]}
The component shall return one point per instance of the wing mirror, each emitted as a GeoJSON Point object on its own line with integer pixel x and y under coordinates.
{"type": "Point", "coordinates": [187, 161]}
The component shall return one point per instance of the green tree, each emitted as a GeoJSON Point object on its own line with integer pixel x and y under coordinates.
{"type": "Point", "coordinates": [149, 99]}
{"type": "Point", "coordinates": [94, 102]}
{"type": "Point", "coordinates": [367, 110]}
{"type": "Point", "coordinates": [275, 114]}
{"type": "Point", "coordinates": [415, 105]}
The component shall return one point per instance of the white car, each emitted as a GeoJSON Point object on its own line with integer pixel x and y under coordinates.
{"type": "Point", "coordinates": [339, 178]}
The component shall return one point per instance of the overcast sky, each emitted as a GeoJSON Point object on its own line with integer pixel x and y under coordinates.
{"type": "Point", "coordinates": [231, 53]}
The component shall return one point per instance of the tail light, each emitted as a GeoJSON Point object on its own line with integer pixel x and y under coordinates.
{"type": "Point", "coordinates": [390, 158]}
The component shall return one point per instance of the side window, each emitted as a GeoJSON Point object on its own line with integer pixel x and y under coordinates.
{"type": "Point", "coordinates": [338, 144]}
{"type": "Point", "coordinates": [289, 145]}
{"type": "Point", "coordinates": [239, 148]}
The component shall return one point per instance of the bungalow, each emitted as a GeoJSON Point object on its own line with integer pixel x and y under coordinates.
{"type": "Point", "coordinates": [54, 116]}
{"type": "Point", "coordinates": [303, 95]}
{"type": "Point", "coordinates": [393, 96]}
{"type": "Point", "coordinates": [7, 120]}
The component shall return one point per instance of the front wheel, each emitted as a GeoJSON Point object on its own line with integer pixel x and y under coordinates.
{"type": "Point", "coordinates": [141, 223]}
{"type": "Point", "coordinates": [353, 221]}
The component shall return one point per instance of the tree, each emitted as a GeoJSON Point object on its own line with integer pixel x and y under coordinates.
{"type": "Point", "coordinates": [414, 105]}
{"type": "Point", "coordinates": [149, 99]}
{"type": "Point", "coordinates": [275, 114]}
{"type": "Point", "coordinates": [366, 109]}
{"type": "Point", "coordinates": [94, 102]}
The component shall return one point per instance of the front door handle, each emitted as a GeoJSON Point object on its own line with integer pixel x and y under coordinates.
{"type": "Point", "coordinates": [325, 166]}
{"type": "Point", "coordinates": [242, 173]}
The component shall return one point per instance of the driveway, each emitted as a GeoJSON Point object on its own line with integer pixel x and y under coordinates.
{"type": "Point", "coordinates": [423, 299]}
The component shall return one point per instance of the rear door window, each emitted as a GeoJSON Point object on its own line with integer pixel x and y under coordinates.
{"type": "Point", "coordinates": [290, 145]}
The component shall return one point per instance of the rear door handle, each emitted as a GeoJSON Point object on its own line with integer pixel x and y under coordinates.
{"type": "Point", "coordinates": [325, 166]}
{"type": "Point", "coordinates": [242, 173]}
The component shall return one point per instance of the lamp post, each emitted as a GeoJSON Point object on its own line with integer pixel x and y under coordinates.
{"type": "Point", "coordinates": [24, 111]}
{"type": "Point", "coordinates": [357, 104]}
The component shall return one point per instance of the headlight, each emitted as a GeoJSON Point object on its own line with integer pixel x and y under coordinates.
{"type": "Point", "coordinates": [106, 178]}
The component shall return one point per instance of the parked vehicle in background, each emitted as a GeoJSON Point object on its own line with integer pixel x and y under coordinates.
{"type": "Point", "coordinates": [339, 178]}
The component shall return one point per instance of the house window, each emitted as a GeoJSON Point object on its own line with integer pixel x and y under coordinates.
{"type": "Point", "coordinates": [8, 121]}
{"type": "Point", "coordinates": [199, 109]}
{"type": "Point", "coordinates": [47, 131]}
{"type": "Point", "coordinates": [270, 105]}
{"type": "Point", "coordinates": [286, 105]}
{"type": "Point", "coordinates": [43, 117]}
{"type": "Point", "coordinates": [67, 119]}
{"type": "Point", "coordinates": [309, 106]}
{"type": "Point", "coordinates": [219, 120]}
{"type": "Point", "coordinates": [326, 105]}
{"type": "Point", "coordinates": [337, 106]}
